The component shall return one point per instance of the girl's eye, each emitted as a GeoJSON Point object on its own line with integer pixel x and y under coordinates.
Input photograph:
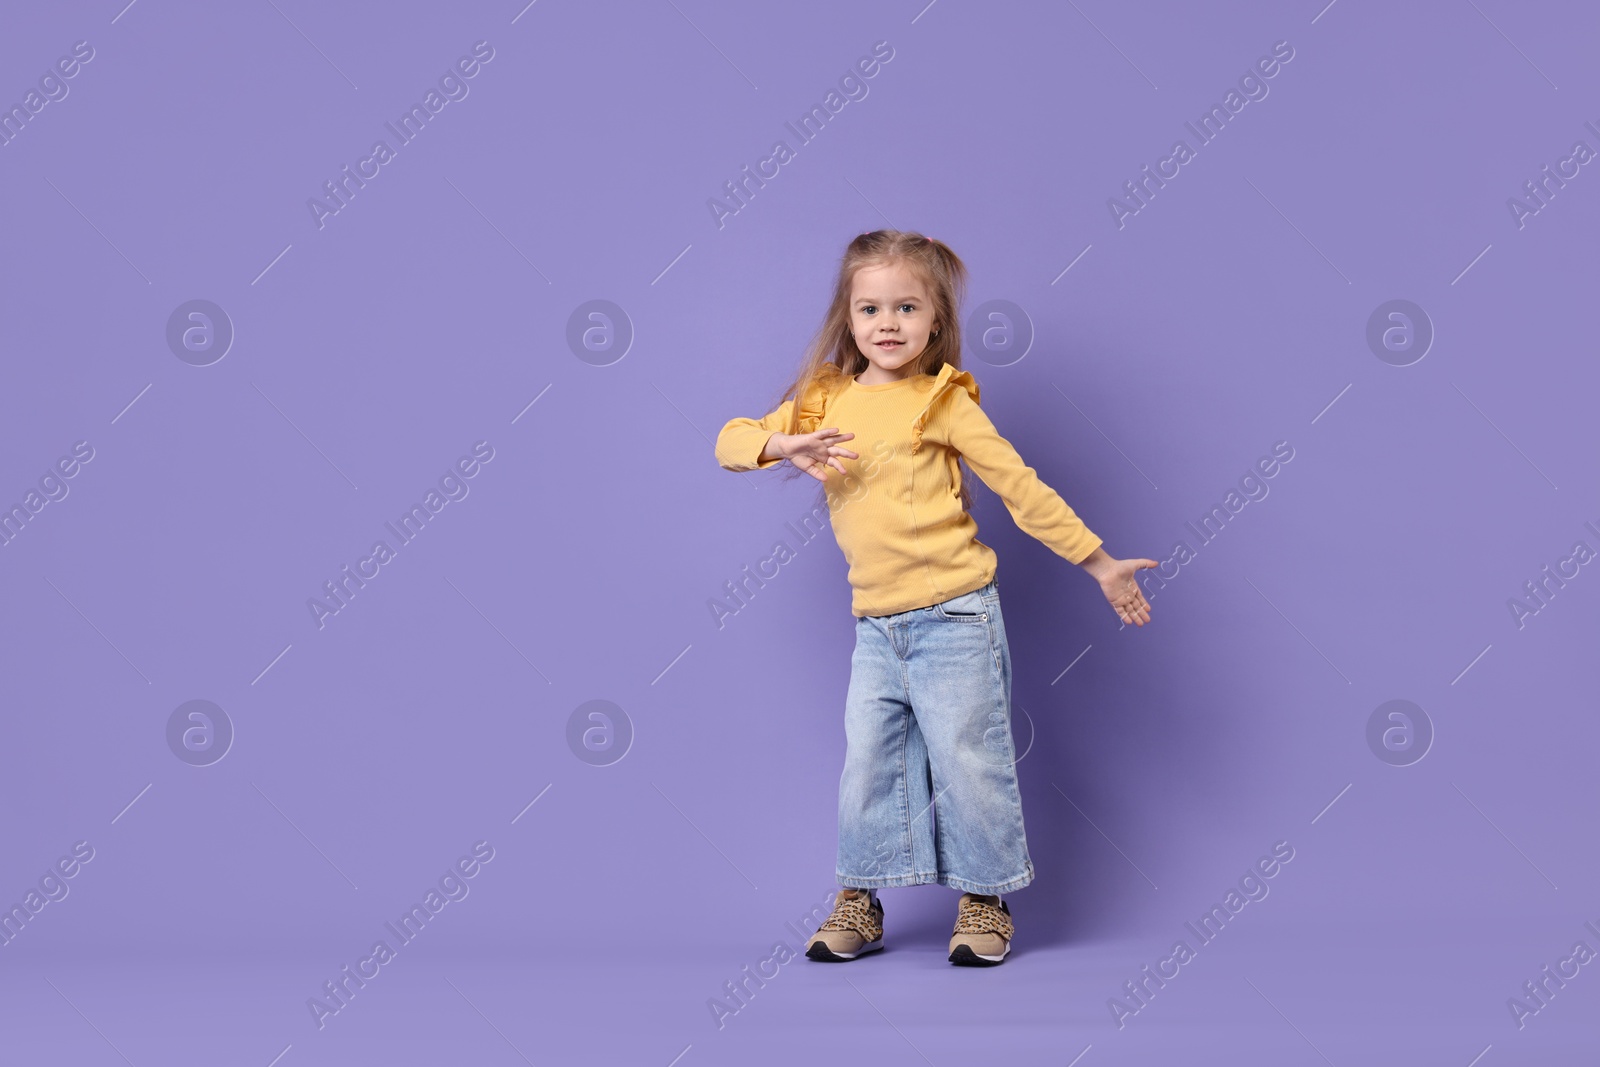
{"type": "Point", "coordinates": [913, 307]}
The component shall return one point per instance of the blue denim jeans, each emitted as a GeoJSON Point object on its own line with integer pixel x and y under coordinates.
{"type": "Point", "coordinates": [929, 789]}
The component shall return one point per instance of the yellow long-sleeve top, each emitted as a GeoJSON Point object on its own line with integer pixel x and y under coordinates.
{"type": "Point", "coordinates": [897, 514]}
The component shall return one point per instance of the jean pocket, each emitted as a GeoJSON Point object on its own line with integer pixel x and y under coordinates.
{"type": "Point", "coordinates": [968, 607]}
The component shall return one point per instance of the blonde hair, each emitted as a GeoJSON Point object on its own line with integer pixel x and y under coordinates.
{"type": "Point", "coordinates": [937, 267]}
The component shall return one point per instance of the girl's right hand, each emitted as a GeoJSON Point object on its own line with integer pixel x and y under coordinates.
{"type": "Point", "coordinates": [815, 452]}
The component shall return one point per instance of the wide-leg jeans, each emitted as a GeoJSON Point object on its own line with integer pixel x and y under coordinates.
{"type": "Point", "coordinates": [929, 788]}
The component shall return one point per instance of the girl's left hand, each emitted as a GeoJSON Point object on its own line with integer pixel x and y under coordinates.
{"type": "Point", "coordinates": [1116, 582]}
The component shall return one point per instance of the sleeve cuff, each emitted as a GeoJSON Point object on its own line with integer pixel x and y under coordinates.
{"type": "Point", "coordinates": [1086, 553]}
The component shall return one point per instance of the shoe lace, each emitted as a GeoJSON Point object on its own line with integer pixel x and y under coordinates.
{"type": "Point", "coordinates": [981, 917]}
{"type": "Point", "coordinates": [854, 913]}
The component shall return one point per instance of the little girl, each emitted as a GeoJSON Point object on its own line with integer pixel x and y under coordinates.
{"type": "Point", "coordinates": [929, 788]}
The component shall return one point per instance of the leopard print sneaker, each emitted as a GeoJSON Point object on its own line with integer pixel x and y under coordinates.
{"type": "Point", "coordinates": [983, 931]}
{"type": "Point", "coordinates": [854, 929]}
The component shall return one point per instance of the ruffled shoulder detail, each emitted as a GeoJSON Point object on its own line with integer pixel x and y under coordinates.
{"type": "Point", "coordinates": [948, 378]}
{"type": "Point", "coordinates": [815, 400]}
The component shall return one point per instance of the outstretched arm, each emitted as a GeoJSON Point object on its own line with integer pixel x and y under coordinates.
{"type": "Point", "coordinates": [1039, 510]}
{"type": "Point", "coordinates": [751, 444]}
{"type": "Point", "coordinates": [746, 444]}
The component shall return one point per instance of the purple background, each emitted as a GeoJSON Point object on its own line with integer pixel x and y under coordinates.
{"type": "Point", "coordinates": [1229, 314]}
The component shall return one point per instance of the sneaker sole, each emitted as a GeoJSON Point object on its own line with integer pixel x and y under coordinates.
{"type": "Point", "coordinates": [966, 957]}
{"type": "Point", "coordinates": [820, 952]}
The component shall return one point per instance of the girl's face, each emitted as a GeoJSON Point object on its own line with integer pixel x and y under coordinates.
{"type": "Point", "coordinates": [891, 318]}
